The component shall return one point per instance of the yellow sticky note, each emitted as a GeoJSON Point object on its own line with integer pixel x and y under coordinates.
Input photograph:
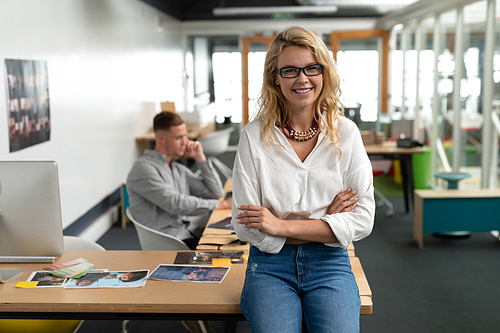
{"type": "Point", "coordinates": [26, 284]}
{"type": "Point", "coordinates": [245, 257]}
{"type": "Point", "coordinates": [221, 262]}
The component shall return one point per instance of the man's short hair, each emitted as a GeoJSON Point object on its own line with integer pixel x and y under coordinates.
{"type": "Point", "coordinates": [166, 119]}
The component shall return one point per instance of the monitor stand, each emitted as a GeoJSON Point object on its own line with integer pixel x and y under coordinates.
{"type": "Point", "coordinates": [6, 275]}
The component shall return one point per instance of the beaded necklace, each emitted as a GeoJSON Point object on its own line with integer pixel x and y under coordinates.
{"type": "Point", "coordinates": [301, 136]}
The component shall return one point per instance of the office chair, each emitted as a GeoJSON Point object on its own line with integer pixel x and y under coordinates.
{"type": "Point", "coordinates": [152, 240]}
{"type": "Point", "coordinates": [167, 106]}
{"type": "Point", "coordinates": [378, 173]}
{"type": "Point", "coordinates": [214, 144]}
{"type": "Point", "coordinates": [71, 243]}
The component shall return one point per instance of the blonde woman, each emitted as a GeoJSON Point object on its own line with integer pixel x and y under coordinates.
{"type": "Point", "coordinates": [302, 192]}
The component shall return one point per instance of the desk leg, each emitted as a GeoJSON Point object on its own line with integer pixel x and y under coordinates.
{"type": "Point", "coordinates": [408, 183]}
{"type": "Point", "coordinates": [418, 222]}
{"type": "Point", "coordinates": [404, 173]}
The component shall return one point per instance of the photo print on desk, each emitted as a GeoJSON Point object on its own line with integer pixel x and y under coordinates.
{"type": "Point", "coordinates": [46, 279]}
{"type": "Point", "coordinates": [112, 279]}
{"type": "Point", "coordinates": [28, 107]}
{"type": "Point", "coordinates": [189, 273]}
{"type": "Point", "coordinates": [205, 257]}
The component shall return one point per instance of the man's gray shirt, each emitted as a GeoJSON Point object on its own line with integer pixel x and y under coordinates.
{"type": "Point", "coordinates": [162, 198]}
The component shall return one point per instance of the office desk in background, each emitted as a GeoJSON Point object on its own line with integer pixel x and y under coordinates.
{"type": "Point", "coordinates": [390, 150]}
{"type": "Point", "coordinates": [195, 131]}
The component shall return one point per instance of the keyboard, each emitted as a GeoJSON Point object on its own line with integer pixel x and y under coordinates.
{"type": "Point", "coordinates": [27, 258]}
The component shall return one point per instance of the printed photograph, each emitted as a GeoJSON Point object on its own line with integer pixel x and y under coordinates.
{"type": "Point", "coordinates": [128, 279]}
{"type": "Point", "coordinates": [205, 257]}
{"type": "Point", "coordinates": [45, 279]}
{"type": "Point", "coordinates": [189, 273]}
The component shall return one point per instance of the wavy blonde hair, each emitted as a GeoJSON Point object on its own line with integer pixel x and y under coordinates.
{"type": "Point", "coordinates": [272, 102]}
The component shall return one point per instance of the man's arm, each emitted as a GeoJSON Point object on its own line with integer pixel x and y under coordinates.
{"type": "Point", "coordinates": [210, 185]}
{"type": "Point", "coordinates": [147, 181]}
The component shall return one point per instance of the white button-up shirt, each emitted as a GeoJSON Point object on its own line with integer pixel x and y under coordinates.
{"type": "Point", "coordinates": [296, 190]}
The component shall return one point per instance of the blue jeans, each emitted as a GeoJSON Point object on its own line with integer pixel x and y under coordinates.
{"type": "Point", "coordinates": [309, 284]}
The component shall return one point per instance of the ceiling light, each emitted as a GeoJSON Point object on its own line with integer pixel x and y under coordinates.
{"type": "Point", "coordinates": [234, 11]}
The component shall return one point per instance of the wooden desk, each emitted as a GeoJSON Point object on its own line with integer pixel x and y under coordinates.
{"type": "Point", "coordinates": [442, 211]}
{"type": "Point", "coordinates": [157, 300]}
{"type": "Point", "coordinates": [195, 131]}
{"type": "Point", "coordinates": [390, 150]}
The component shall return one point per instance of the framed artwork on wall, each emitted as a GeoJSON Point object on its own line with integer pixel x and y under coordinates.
{"type": "Point", "coordinates": [28, 107]}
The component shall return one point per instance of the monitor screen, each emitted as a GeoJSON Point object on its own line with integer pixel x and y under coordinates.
{"type": "Point", "coordinates": [30, 210]}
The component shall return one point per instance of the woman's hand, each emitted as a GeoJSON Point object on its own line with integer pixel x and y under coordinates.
{"type": "Point", "coordinates": [343, 202]}
{"type": "Point", "coordinates": [260, 218]}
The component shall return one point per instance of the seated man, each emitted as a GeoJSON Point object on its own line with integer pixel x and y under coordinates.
{"type": "Point", "coordinates": [167, 196]}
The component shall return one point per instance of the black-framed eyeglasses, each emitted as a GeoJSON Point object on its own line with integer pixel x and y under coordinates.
{"type": "Point", "coordinates": [291, 72]}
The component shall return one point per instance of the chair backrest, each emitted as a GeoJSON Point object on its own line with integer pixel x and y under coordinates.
{"type": "Point", "coordinates": [167, 106]}
{"type": "Point", "coordinates": [152, 240]}
{"type": "Point", "coordinates": [72, 243]}
{"type": "Point", "coordinates": [216, 143]}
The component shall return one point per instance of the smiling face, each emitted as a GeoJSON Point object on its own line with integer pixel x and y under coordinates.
{"type": "Point", "coordinates": [302, 91]}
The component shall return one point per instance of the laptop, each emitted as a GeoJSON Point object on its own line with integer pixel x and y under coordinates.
{"type": "Point", "coordinates": [30, 212]}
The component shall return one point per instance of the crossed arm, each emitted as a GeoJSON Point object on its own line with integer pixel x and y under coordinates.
{"type": "Point", "coordinates": [297, 231]}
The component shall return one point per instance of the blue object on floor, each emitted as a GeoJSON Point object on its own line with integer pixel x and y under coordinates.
{"type": "Point", "coordinates": [453, 178]}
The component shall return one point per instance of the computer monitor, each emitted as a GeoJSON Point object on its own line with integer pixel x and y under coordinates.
{"type": "Point", "coordinates": [30, 212]}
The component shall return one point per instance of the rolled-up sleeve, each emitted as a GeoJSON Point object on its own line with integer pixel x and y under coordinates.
{"type": "Point", "coordinates": [358, 175]}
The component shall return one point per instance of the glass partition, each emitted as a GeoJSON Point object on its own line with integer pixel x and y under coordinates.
{"type": "Point", "coordinates": [358, 62]}
{"type": "Point", "coordinates": [445, 73]}
{"type": "Point", "coordinates": [438, 73]}
{"type": "Point", "coordinates": [256, 58]}
{"type": "Point", "coordinates": [496, 100]}
{"type": "Point", "coordinates": [396, 82]}
{"type": "Point", "coordinates": [410, 71]}
{"type": "Point", "coordinates": [426, 78]}
{"type": "Point", "coordinates": [472, 83]}
{"type": "Point", "coordinates": [227, 86]}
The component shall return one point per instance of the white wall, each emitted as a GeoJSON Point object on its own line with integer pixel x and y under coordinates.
{"type": "Point", "coordinates": [109, 67]}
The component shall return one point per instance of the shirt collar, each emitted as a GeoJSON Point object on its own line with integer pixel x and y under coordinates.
{"type": "Point", "coordinates": [156, 155]}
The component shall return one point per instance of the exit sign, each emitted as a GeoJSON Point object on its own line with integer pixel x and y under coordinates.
{"type": "Point", "coordinates": [283, 16]}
